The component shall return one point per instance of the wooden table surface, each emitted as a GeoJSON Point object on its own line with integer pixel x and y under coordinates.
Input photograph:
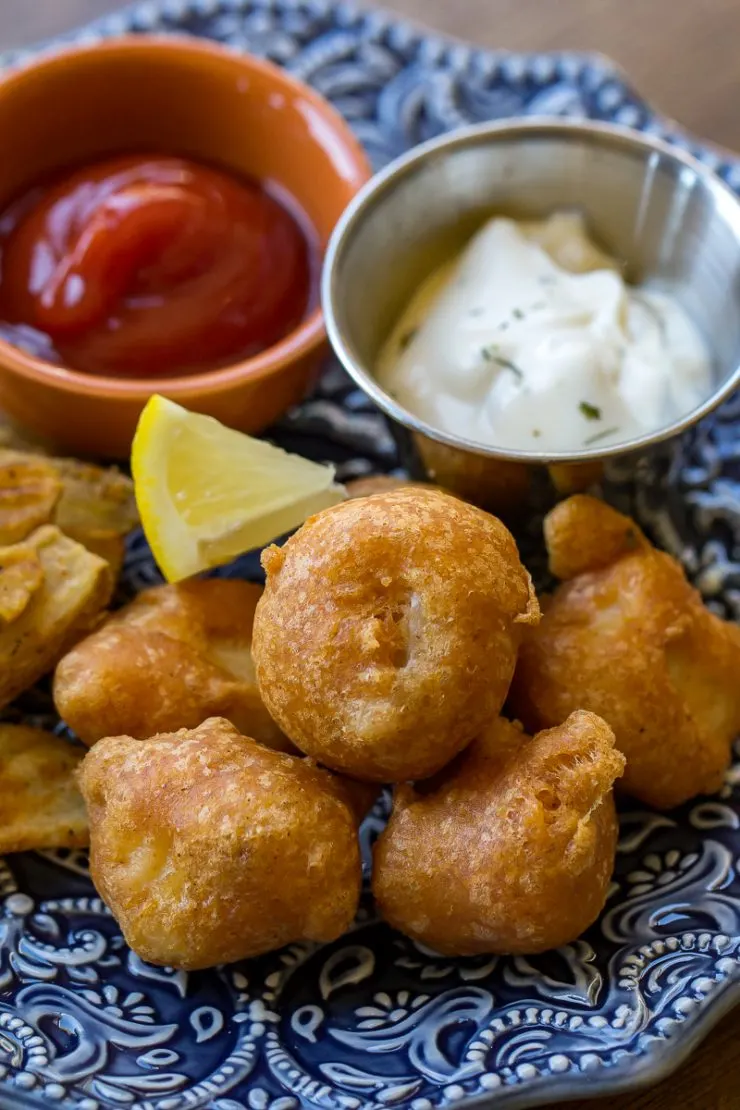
{"type": "Point", "coordinates": [684, 56]}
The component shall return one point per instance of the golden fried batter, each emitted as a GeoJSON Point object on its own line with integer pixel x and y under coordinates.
{"type": "Point", "coordinates": [53, 594]}
{"type": "Point", "coordinates": [628, 638]}
{"type": "Point", "coordinates": [388, 631]}
{"type": "Point", "coordinates": [172, 657]}
{"type": "Point", "coordinates": [511, 848]}
{"type": "Point", "coordinates": [209, 848]}
{"type": "Point", "coordinates": [40, 802]}
{"type": "Point", "coordinates": [91, 504]}
{"type": "Point", "coordinates": [584, 534]}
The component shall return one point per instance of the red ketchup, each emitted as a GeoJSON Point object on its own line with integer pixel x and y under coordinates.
{"type": "Point", "coordinates": [147, 267]}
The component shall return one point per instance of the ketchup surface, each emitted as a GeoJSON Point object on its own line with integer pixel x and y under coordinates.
{"type": "Point", "coordinates": [151, 266]}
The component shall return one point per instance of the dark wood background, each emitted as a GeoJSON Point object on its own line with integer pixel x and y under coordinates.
{"type": "Point", "coordinates": [684, 56]}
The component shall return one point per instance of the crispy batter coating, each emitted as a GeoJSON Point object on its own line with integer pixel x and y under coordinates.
{"type": "Point", "coordinates": [584, 534]}
{"type": "Point", "coordinates": [388, 631]}
{"type": "Point", "coordinates": [628, 638]}
{"type": "Point", "coordinates": [40, 802]}
{"type": "Point", "coordinates": [209, 848]}
{"type": "Point", "coordinates": [91, 504]}
{"type": "Point", "coordinates": [52, 592]}
{"type": "Point", "coordinates": [511, 848]}
{"type": "Point", "coordinates": [172, 657]}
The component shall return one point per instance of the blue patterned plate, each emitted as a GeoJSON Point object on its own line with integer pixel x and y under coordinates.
{"type": "Point", "coordinates": [374, 1020]}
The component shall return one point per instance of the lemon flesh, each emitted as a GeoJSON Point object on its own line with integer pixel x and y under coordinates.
{"type": "Point", "coordinates": [207, 493]}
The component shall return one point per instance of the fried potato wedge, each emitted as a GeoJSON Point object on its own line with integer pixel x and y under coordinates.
{"type": "Point", "coordinates": [97, 508]}
{"type": "Point", "coordinates": [66, 604]}
{"type": "Point", "coordinates": [40, 803]}
{"type": "Point", "coordinates": [21, 576]}
{"type": "Point", "coordinates": [30, 489]}
{"type": "Point", "coordinates": [91, 504]}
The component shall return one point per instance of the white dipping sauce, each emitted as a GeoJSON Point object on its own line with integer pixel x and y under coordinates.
{"type": "Point", "coordinates": [532, 339]}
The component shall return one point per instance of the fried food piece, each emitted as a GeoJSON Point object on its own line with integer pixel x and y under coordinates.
{"type": "Point", "coordinates": [40, 803]}
{"type": "Point", "coordinates": [91, 504]}
{"type": "Point", "coordinates": [55, 592]}
{"type": "Point", "coordinates": [172, 657]}
{"type": "Point", "coordinates": [209, 848]}
{"type": "Point", "coordinates": [30, 489]}
{"type": "Point", "coordinates": [387, 633]}
{"type": "Point", "coordinates": [584, 534]}
{"type": "Point", "coordinates": [628, 638]}
{"type": "Point", "coordinates": [498, 485]}
{"type": "Point", "coordinates": [511, 848]}
{"type": "Point", "coordinates": [21, 576]}
{"type": "Point", "coordinates": [97, 508]}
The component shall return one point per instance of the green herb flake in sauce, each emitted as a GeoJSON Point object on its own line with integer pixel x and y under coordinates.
{"type": "Point", "coordinates": [518, 314]}
{"type": "Point", "coordinates": [599, 436]}
{"type": "Point", "coordinates": [589, 411]}
{"type": "Point", "coordinates": [536, 433]}
{"type": "Point", "coordinates": [490, 355]}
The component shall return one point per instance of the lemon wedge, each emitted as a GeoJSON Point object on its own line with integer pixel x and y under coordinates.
{"type": "Point", "coordinates": [207, 493]}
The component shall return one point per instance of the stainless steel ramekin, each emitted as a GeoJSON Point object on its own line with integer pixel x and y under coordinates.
{"type": "Point", "coordinates": [657, 209]}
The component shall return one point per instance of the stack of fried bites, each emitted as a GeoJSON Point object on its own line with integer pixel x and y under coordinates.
{"type": "Point", "coordinates": [238, 736]}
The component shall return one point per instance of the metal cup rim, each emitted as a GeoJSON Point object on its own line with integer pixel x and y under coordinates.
{"type": "Point", "coordinates": [385, 180]}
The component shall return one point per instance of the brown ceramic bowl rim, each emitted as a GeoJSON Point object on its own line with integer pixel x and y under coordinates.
{"type": "Point", "coordinates": [309, 334]}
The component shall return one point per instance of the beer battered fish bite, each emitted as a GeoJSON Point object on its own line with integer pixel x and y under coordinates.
{"type": "Point", "coordinates": [510, 849]}
{"type": "Point", "coordinates": [387, 633]}
{"type": "Point", "coordinates": [627, 637]}
{"type": "Point", "coordinates": [172, 657]}
{"type": "Point", "coordinates": [209, 848]}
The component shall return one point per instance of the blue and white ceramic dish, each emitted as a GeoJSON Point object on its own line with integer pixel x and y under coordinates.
{"type": "Point", "coordinates": [374, 1021]}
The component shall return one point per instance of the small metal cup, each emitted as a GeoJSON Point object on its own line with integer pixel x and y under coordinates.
{"type": "Point", "coordinates": [659, 211]}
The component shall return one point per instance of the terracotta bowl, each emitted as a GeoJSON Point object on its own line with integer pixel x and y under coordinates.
{"type": "Point", "coordinates": [170, 96]}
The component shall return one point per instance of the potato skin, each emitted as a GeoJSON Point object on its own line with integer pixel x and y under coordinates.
{"type": "Point", "coordinates": [628, 638]}
{"type": "Point", "coordinates": [511, 849]}
{"type": "Point", "coordinates": [169, 659]}
{"type": "Point", "coordinates": [209, 848]}
{"type": "Point", "coordinates": [387, 633]}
